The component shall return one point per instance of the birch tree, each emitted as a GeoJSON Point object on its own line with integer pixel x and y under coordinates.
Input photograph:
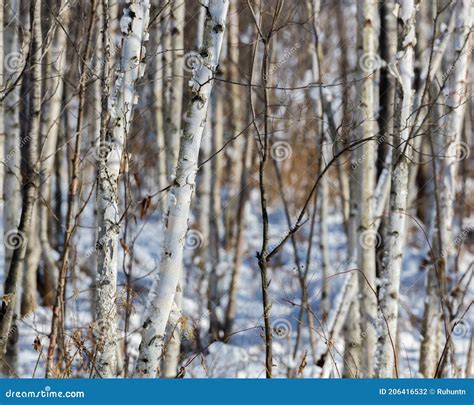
{"type": "Point", "coordinates": [367, 50]}
{"type": "Point", "coordinates": [236, 124]}
{"type": "Point", "coordinates": [399, 191]}
{"type": "Point", "coordinates": [11, 162]}
{"type": "Point", "coordinates": [164, 286]}
{"type": "Point", "coordinates": [2, 84]}
{"type": "Point", "coordinates": [456, 100]}
{"type": "Point", "coordinates": [30, 171]}
{"type": "Point", "coordinates": [134, 26]}
{"type": "Point", "coordinates": [51, 122]}
{"type": "Point", "coordinates": [173, 37]}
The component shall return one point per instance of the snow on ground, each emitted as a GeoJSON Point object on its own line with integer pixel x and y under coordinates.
{"type": "Point", "coordinates": [243, 356]}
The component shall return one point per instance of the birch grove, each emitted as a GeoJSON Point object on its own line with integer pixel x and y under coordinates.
{"type": "Point", "coordinates": [236, 188]}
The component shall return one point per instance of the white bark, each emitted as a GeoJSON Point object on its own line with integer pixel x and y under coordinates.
{"type": "Point", "coordinates": [456, 104]}
{"type": "Point", "coordinates": [156, 75]}
{"type": "Point", "coordinates": [324, 237]}
{"type": "Point", "coordinates": [367, 16]}
{"type": "Point", "coordinates": [134, 25]}
{"type": "Point", "coordinates": [11, 161]}
{"type": "Point", "coordinates": [51, 122]}
{"type": "Point", "coordinates": [173, 346]}
{"type": "Point", "coordinates": [164, 286]}
{"type": "Point", "coordinates": [235, 149]}
{"type": "Point", "coordinates": [173, 36]}
{"type": "Point", "coordinates": [2, 103]}
{"type": "Point", "coordinates": [337, 319]}
{"type": "Point", "coordinates": [29, 181]}
{"type": "Point", "coordinates": [399, 190]}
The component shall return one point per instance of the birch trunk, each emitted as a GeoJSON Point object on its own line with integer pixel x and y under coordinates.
{"type": "Point", "coordinates": [173, 124]}
{"type": "Point", "coordinates": [453, 122]}
{"type": "Point", "coordinates": [399, 190]}
{"type": "Point", "coordinates": [134, 25]}
{"type": "Point", "coordinates": [32, 259]}
{"type": "Point", "coordinates": [11, 162]}
{"type": "Point", "coordinates": [236, 125]}
{"type": "Point", "coordinates": [156, 77]}
{"type": "Point", "coordinates": [2, 100]}
{"type": "Point", "coordinates": [173, 347]}
{"type": "Point", "coordinates": [217, 141]}
{"type": "Point", "coordinates": [164, 286]}
{"type": "Point", "coordinates": [30, 170]}
{"type": "Point", "coordinates": [430, 324]}
{"type": "Point", "coordinates": [231, 308]}
{"type": "Point", "coordinates": [337, 319]}
{"type": "Point", "coordinates": [324, 237]}
{"type": "Point", "coordinates": [456, 100]}
{"type": "Point", "coordinates": [173, 37]}
{"type": "Point", "coordinates": [51, 122]}
{"type": "Point", "coordinates": [367, 14]}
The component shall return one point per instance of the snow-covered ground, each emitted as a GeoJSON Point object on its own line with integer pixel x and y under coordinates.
{"type": "Point", "coordinates": [243, 355]}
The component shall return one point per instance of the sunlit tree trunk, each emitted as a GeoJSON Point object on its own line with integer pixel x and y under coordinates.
{"type": "Point", "coordinates": [236, 122]}
{"type": "Point", "coordinates": [30, 171]}
{"type": "Point", "coordinates": [173, 56]}
{"type": "Point", "coordinates": [366, 49]}
{"type": "Point", "coordinates": [12, 163]}
{"type": "Point", "coordinates": [134, 27]}
{"type": "Point", "coordinates": [390, 283]}
{"type": "Point", "coordinates": [164, 286]}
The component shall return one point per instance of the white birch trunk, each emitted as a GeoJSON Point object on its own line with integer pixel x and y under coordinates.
{"type": "Point", "coordinates": [456, 100]}
{"type": "Point", "coordinates": [11, 163]}
{"type": "Point", "coordinates": [11, 160]}
{"type": "Point", "coordinates": [164, 286]}
{"type": "Point", "coordinates": [367, 16]}
{"type": "Point", "coordinates": [173, 36]}
{"type": "Point", "coordinates": [156, 75]}
{"type": "Point", "coordinates": [2, 101]}
{"type": "Point", "coordinates": [51, 122]}
{"type": "Point", "coordinates": [456, 104]}
{"type": "Point", "coordinates": [18, 239]}
{"type": "Point", "coordinates": [235, 149]}
{"type": "Point", "coordinates": [337, 319]}
{"type": "Point", "coordinates": [134, 25]}
{"type": "Point", "coordinates": [173, 133]}
{"type": "Point", "coordinates": [399, 190]}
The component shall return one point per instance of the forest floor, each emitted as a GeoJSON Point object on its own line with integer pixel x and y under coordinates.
{"type": "Point", "coordinates": [243, 356]}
